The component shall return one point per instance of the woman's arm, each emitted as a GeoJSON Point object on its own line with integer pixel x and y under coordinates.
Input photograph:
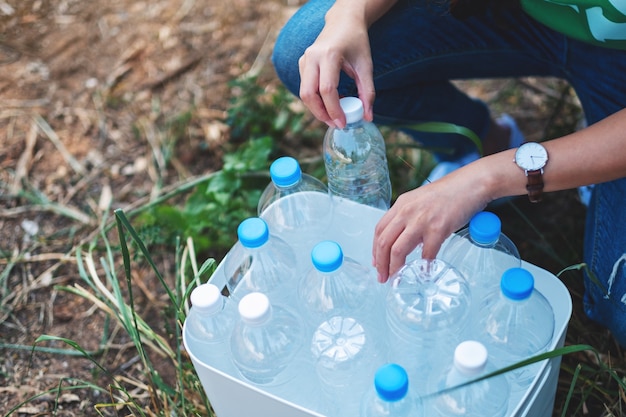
{"type": "Point", "coordinates": [429, 214]}
{"type": "Point", "coordinates": [343, 44]}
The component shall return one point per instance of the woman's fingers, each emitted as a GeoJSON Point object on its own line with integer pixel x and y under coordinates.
{"type": "Point", "coordinates": [394, 239]}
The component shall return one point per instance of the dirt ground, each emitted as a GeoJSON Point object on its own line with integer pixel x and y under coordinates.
{"type": "Point", "coordinates": [87, 90]}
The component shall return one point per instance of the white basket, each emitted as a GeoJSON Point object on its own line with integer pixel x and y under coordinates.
{"type": "Point", "coordinates": [353, 228]}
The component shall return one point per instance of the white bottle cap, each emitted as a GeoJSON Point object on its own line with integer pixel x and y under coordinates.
{"type": "Point", "coordinates": [470, 358]}
{"type": "Point", "coordinates": [207, 299]}
{"type": "Point", "coordinates": [352, 108]}
{"type": "Point", "coordinates": [254, 308]}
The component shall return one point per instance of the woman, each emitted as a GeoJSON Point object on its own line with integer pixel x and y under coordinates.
{"type": "Point", "coordinates": [398, 57]}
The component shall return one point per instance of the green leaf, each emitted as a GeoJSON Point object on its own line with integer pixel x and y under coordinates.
{"type": "Point", "coordinates": [443, 127]}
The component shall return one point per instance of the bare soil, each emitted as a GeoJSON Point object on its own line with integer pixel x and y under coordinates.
{"type": "Point", "coordinates": [87, 90]}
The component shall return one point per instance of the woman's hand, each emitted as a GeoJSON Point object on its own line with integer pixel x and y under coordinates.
{"type": "Point", "coordinates": [427, 215]}
{"type": "Point", "coordinates": [343, 44]}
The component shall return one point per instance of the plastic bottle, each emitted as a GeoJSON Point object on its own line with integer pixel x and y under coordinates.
{"type": "Point", "coordinates": [266, 343]}
{"type": "Point", "coordinates": [260, 262]}
{"type": "Point", "coordinates": [209, 326]}
{"type": "Point", "coordinates": [390, 396]}
{"type": "Point", "coordinates": [355, 159]}
{"type": "Point", "coordinates": [338, 285]}
{"type": "Point", "coordinates": [427, 306]}
{"type": "Point", "coordinates": [482, 253]}
{"type": "Point", "coordinates": [346, 356]}
{"type": "Point", "coordinates": [488, 397]}
{"type": "Point", "coordinates": [296, 206]}
{"type": "Point", "coordinates": [517, 323]}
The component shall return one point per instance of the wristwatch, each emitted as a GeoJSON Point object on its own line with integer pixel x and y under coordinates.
{"type": "Point", "coordinates": [532, 158]}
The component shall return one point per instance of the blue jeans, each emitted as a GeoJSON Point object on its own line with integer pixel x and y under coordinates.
{"type": "Point", "coordinates": [417, 48]}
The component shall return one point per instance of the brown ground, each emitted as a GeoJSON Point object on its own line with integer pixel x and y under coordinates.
{"type": "Point", "coordinates": [87, 90]}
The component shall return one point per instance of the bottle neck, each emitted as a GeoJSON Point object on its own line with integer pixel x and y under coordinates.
{"type": "Point", "coordinates": [213, 309]}
{"type": "Point", "coordinates": [354, 125]}
{"type": "Point", "coordinates": [388, 405]}
{"type": "Point", "coordinates": [513, 301]}
{"type": "Point", "coordinates": [456, 377]}
{"type": "Point", "coordinates": [484, 245]}
{"type": "Point", "coordinates": [288, 187]}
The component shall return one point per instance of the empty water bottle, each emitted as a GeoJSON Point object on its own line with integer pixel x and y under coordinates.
{"type": "Point", "coordinates": [295, 205]}
{"type": "Point", "coordinates": [260, 262]}
{"type": "Point", "coordinates": [390, 396]}
{"type": "Point", "coordinates": [488, 397]}
{"type": "Point", "coordinates": [265, 345]}
{"type": "Point", "coordinates": [209, 326]}
{"type": "Point", "coordinates": [346, 356]}
{"type": "Point", "coordinates": [517, 322]}
{"type": "Point", "coordinates": [427, 307]}
{"type": "Point", "coordinates": [338, 285]}
{"type": "Point", "coordinates": [355, 159]}
{"type": "Point", "coordinates": [482, 253]}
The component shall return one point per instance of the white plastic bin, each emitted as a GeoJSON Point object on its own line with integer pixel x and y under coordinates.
{"type": "Point", "coordinates": [353, 228]}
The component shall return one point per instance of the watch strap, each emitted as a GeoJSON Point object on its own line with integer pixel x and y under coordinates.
{"type": "Point", "coordinates": [535, 185]}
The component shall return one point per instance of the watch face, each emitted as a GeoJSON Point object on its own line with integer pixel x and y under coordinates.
{"type": "Point", "coordinates": [531, 156]}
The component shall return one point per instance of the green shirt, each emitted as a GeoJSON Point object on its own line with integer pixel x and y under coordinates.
{"type": "Point", "coordinates": [600, 22]}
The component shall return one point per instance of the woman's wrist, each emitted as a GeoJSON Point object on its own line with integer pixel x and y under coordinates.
{"type": "Point", "coordinates": [499, 176]}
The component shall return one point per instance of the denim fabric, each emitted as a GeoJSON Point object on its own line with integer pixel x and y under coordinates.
{"type": "Point", "coordinates": [417, 48]}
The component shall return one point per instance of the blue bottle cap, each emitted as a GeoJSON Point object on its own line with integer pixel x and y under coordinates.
{"type": "Point", "coordinates": [253, 232]}
{"type": "Point", "coordinates": [517, 283]}
{"type": "Point", "coordinates": [391, 382]}
{"type": "Point", "coordinates": [285, 171]}
{"type": "Point", "coordinates": [485, 228]}
{"type": "Point", "coordinates": [327, 256]}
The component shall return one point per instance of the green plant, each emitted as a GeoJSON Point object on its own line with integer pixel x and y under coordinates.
{"type": "Point", "coordinates": [258, 120]}
{"type": "Point", "coordinates": [212, 212]}
{"type": "Point", "coordinates": [253, 112]}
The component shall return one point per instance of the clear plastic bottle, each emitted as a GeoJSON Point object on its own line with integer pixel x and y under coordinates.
{"type": "Point", "coordinates": [488, 397]}
{"type": "Point", "coordinates": [355, 159]}
{"type": "Point", "coordinates": [295, 205]}
{"type": "Point", "coordinates": [209, 326]}
{"type": "Point", "coordinates": [482, 253]}
{"type": "Point", "coordinates": [427, 306]}
{"type": "Point", "coordinates": [517, 323]}
{"type": "Point", "coordinates": [390, 396]}
{"type": "Point", "coordinates": [338, 285]}
{"type": "Point", "coordinates": [266, 343]}
{"type": "Point", "coordinates": [260, 262]}
{"type": "Point", "coordinates": [346, 356]}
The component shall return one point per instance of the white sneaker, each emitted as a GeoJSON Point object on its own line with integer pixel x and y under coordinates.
{"type": "Point", "coordinates": [444, 168]}
{"type": "Point", "coordinates": [584, 193]}
{"type": "Point", "coordinates": [517, 137]}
